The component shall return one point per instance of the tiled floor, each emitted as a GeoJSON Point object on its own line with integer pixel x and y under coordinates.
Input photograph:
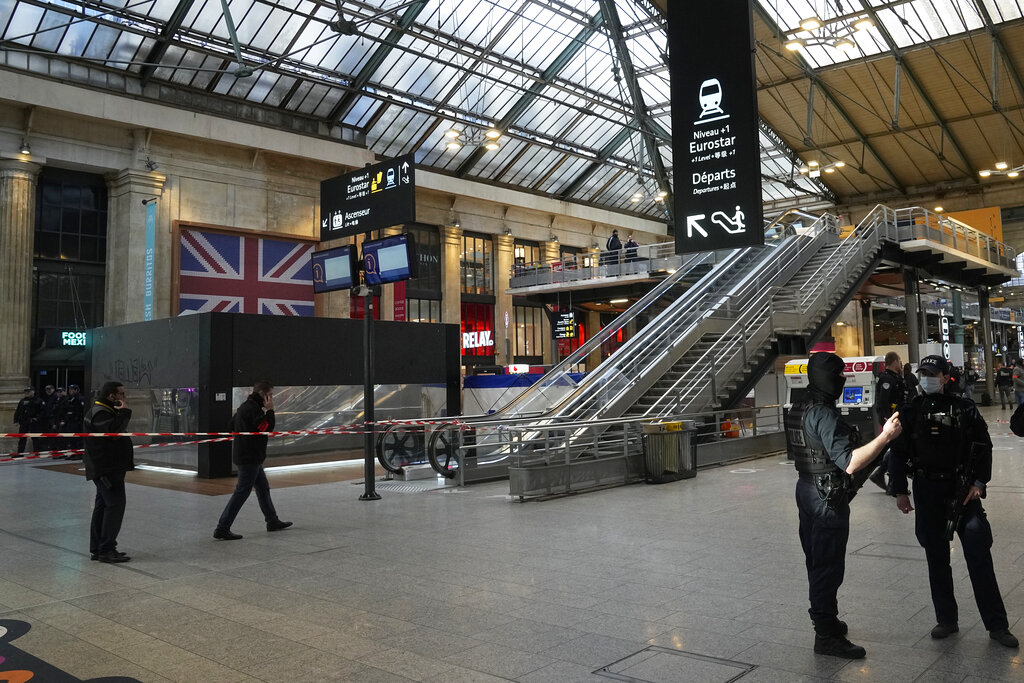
{"type": "Point", "coordinates": [699, 580]}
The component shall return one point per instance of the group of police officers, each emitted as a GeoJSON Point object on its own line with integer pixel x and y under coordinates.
{"type": "Point", "coordinates": [935, 437]}
{"type": "Point", "coordinates": [59, 411]}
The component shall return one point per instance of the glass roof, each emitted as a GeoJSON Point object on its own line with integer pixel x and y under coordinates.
{"type": "Point", "coordinates": [399, 74]}
{"type": "Point", "coordinates": [889, 24]}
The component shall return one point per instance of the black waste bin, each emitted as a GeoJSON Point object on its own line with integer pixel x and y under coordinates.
{"type": "Point", "coordinates": [670, 453]}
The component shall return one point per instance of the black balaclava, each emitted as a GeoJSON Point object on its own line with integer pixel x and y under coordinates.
{"type": "Point", "coordinates": [825, 376]}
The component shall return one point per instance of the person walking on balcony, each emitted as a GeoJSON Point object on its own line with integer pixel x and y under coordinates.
{"type": "Point", "coordinates": [612, 247]}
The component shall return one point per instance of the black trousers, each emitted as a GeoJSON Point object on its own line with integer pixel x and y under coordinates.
{"type": "Point", "coordinates": [823, 535]}
{"type": "Point", "coordinates": [975, 533]}
{"type": "Point", "coordinates": [107, 513]}
{"type": "Point", "coordinates": [249, 477]}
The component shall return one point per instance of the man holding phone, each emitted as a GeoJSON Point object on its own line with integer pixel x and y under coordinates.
{"type": "Point", "coordinates": [107, 458]}
{"type": "Point", "coordinates": [248, 452]}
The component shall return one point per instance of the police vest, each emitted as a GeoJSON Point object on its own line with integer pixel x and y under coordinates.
{"type": "Point", "coordinates": [937, 433]}
{"type": "Point", "coordinates": [808, 454]}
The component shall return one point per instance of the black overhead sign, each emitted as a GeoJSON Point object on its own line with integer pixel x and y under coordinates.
{"type": "Point", "coordinates": [715, 146]}
{"type": "Point", "coordinates": [565, 325]}
{"type": "Point", "coordinates": [371, 198]}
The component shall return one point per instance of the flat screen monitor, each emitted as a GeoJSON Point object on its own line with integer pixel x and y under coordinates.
{"type": "Point", "coordinates": [388, 260]}
{"type": "Point", "coordinates": [853, 395]}
{"type": "Point", "coordinates": [334, 269]}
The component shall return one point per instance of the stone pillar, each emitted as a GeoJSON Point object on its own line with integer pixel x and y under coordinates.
{"type": "Point", "coordinates": [913, 316]}
{"type": "Point", "coordinates": [867, 321]}
{"type": "Point", "coordinates": [504, 250]}
{"type": "Point", "coordinates": [18, 178]}
{"type": "Point", "coordinates": [549, 251]}
{"type": "Point", "coordinates": [958, 318]}
{"type": "Point", "coordinates": [126, 245]}
{"type": "Point", "coordinates": [451, 283]}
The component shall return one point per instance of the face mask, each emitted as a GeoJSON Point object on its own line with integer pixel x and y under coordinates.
{"type": "Point", "coordinates": [931, 385]}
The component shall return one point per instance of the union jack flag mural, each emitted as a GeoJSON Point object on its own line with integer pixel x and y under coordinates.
{"type": "Point", "coordinates": [243, 274]}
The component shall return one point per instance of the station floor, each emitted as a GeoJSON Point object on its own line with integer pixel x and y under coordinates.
{"type": "Point", "coordinates": [698, 580]}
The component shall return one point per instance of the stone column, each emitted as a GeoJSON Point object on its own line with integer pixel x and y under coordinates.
{"type": "Point", "coordinates": [593, 327]}
{"type": "Point", "coordinates": [504, 250]}
{"type": "Point", "coordinates": [126, 245]}
{"type": "Point", "coordinates": [18, 178]}
{"type": "Point", "coordinates": [549, 251]}
{"type": "Point", "coordinates": [451, 283]}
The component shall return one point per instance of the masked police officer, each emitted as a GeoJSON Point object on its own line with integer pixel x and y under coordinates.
{"type": "Point", "coordinates": [826, 451]}
{"type": "Point", "coordinates": [947, 447]}
{"type": "Point", "coordinates": [890, 393]}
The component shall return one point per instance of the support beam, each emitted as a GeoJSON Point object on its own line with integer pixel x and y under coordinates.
{"type": "Point", "coordinates": [341, 109]}
{"type": "Point", "coordinates": [614, 26]}
{"type": "Point", "coordinates": [527, 98]}
{"type": "Point", "coordinates": [813, 77]}
{"type": "Point", "coordinates": [158, 50]}
{"type": "Point", "coordinates": [905, 69]}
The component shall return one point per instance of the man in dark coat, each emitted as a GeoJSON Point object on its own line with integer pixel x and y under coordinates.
{"type": "Point", "coordinates": [106, 461]}
{"type": "Point", "coordinates": [256, 414]}
{"type": "Point", "coordinates": [890, 393]}
{"type": "Point", "coordinates": [73, 418]}
{"type": "Point", "coordinates": [29, 415]}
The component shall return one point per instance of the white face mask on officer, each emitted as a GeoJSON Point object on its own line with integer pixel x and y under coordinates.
{"type": "Point", "coordinates": [931, 385]}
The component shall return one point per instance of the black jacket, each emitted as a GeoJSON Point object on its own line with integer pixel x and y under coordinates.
{"type": "Point", "coordinates": [890, 394]}
{"type": "Point", "coordinates": [104, 455]}
{"type": "Point", "coordinates": [250, 417]}
{"type": "Point", "coordinates": [907, 454]}
{"type": "Point", "coordinates": [29, 412]}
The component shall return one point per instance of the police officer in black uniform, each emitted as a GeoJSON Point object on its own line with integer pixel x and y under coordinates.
{"type": "Point", "coordinates": [947, 439]}
{"type": "Point", "coordinates": [826, 451]}
{"type": "Point", "coordinates": [29, 415]}
{"type": "Point", "coordinates": [890, 394]}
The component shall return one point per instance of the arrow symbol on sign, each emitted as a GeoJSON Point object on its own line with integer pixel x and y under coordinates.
{"type": "Point", "coordinates": [323, 223]}
{"type": "Point", "coordinates": [692, 224]}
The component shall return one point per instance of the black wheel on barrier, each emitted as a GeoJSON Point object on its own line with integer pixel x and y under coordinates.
{"type": "Point", "coordinates": [441, 452]}
{"type": "Point", "coordinates": [397, 447]}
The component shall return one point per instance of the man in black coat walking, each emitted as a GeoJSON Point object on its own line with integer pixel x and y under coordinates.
{"type": "Point", "coordinates": [256, 414]}
{"type": "Point", "coordinates": [107, 459]}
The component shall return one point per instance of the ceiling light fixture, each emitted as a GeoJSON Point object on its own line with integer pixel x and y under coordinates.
{"type": "Point", "coordinates": [836, 32]}
{"type": "Point", "coordinates": [1002, 168]}
{"type": "Point", "coordinates": [25, 148]}
{"type": "Point", "coordinates": [814, 168]}
{"type": "Point", "coordinates": [473, 137]}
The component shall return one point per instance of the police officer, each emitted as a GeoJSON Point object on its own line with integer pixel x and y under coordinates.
{"type": "Point", "coordinates": [890, 392]}
{"type": "Point", "coordinates": [29, 415]}
{"type": "Point", "coordinates": [826, 451]}
{"type": "Point", "coordinates": [74, 416]}
{"type": "Point", "coordinates": [947, 439]}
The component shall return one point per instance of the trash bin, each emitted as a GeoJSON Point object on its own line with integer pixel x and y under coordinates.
{"type": "Point", "coordinates": [669, 451]}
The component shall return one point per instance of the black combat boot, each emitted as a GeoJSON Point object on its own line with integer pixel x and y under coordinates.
{"type": "Point", "coordinates": [830, 639]}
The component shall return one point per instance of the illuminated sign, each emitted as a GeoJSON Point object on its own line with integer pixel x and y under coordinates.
{"type": "Point", "coordinates": [334, 269]}
{"type": "Point", "coordinates": [388, 260]}
{"type": "Point", "coordinates": [74, 338]}
{"type": "Point", "coordinates": [715, 139]}
{"type": "Point", "coordinates": [565, 325]}
{"type": "Point", "coordinates": [371, 198]}
{"type": "Point", "coordinates": [476, 340]}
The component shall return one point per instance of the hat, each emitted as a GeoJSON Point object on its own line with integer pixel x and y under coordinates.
{"type": "Point", "coordinates": [72, 386]}
{"type": "Point", "coordinates": [934, 364]}
{"type": "Point", "coordinates": [60, 388]}
{"type": "Point", "coordinates": [30, 388]}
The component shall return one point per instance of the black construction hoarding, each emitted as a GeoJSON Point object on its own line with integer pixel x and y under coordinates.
{"type": "Point", "coordinates": [715, 147]}
{"type": "Point", "coordinates": [371, 198]}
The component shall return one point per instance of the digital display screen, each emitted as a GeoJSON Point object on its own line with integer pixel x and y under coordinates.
{"type": "Point", "coordinates": [388, 260]}
{"type": "Point", "coordinates": [334, 269]}
{"type": "Point", "coordinates": [853, 395]}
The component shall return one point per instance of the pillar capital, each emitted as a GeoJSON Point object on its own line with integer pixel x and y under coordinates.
{"type": "Point", "coordinates": [451, 234]}
{"type": "Point", "coordinates": [131, 180]}
{"type": "Point", "coordinates": [19, 167]}
{"type": "Point", "coordinates": [504, 242]}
